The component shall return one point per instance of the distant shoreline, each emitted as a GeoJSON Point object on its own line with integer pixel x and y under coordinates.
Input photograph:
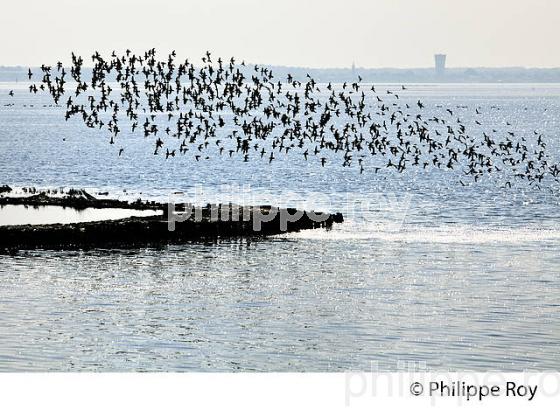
{"type": "Point", "coordinates": [376, 75]}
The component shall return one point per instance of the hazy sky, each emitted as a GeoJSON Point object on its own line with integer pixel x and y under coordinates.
{"type": "Point", "coordinates": [313, 33]}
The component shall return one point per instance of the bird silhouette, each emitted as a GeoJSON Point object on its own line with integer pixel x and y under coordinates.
{"type": "Point", "coordinates": [221, 106]}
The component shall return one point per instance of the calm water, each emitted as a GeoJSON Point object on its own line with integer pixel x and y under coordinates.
{"type": "Point", "coordinates": [423, 269]}
{"type": "Point", "coordinates": [37, 215]}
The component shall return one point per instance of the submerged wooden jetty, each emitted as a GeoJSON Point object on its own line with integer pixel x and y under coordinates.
{"type": "Point", "coordinates": [176, 224]}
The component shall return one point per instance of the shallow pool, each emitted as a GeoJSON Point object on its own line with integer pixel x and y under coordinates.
{"type": "Point", "coordinates": [50, 214]}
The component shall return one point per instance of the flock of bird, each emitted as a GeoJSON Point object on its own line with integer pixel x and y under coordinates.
{"type": "Point", "coordinates": [229, 108]}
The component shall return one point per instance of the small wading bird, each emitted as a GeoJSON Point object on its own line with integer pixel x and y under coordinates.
{"type": "Point", "coordinates": [223, 108]}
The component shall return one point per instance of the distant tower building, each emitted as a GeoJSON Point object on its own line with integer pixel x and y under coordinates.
{"type": "Point", "coordinates": [440, 64]}
{"type": "Point", "coordinates": [353, 69]}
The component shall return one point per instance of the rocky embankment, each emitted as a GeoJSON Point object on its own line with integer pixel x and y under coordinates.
{"type": "Point", "coordinates": [177, 224]}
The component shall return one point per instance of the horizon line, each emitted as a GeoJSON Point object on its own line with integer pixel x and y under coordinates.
{"type": "Point", "coordinates": [2, 66]}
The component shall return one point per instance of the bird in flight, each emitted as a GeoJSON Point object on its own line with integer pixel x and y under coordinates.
{"type": "Point", "coordinates": [220, 106]}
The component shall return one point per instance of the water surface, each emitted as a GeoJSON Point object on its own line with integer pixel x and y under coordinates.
{"type": "Point", "coordinates": [423, 269]}
{"type": "Point", "coordinates": [50, 214]}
